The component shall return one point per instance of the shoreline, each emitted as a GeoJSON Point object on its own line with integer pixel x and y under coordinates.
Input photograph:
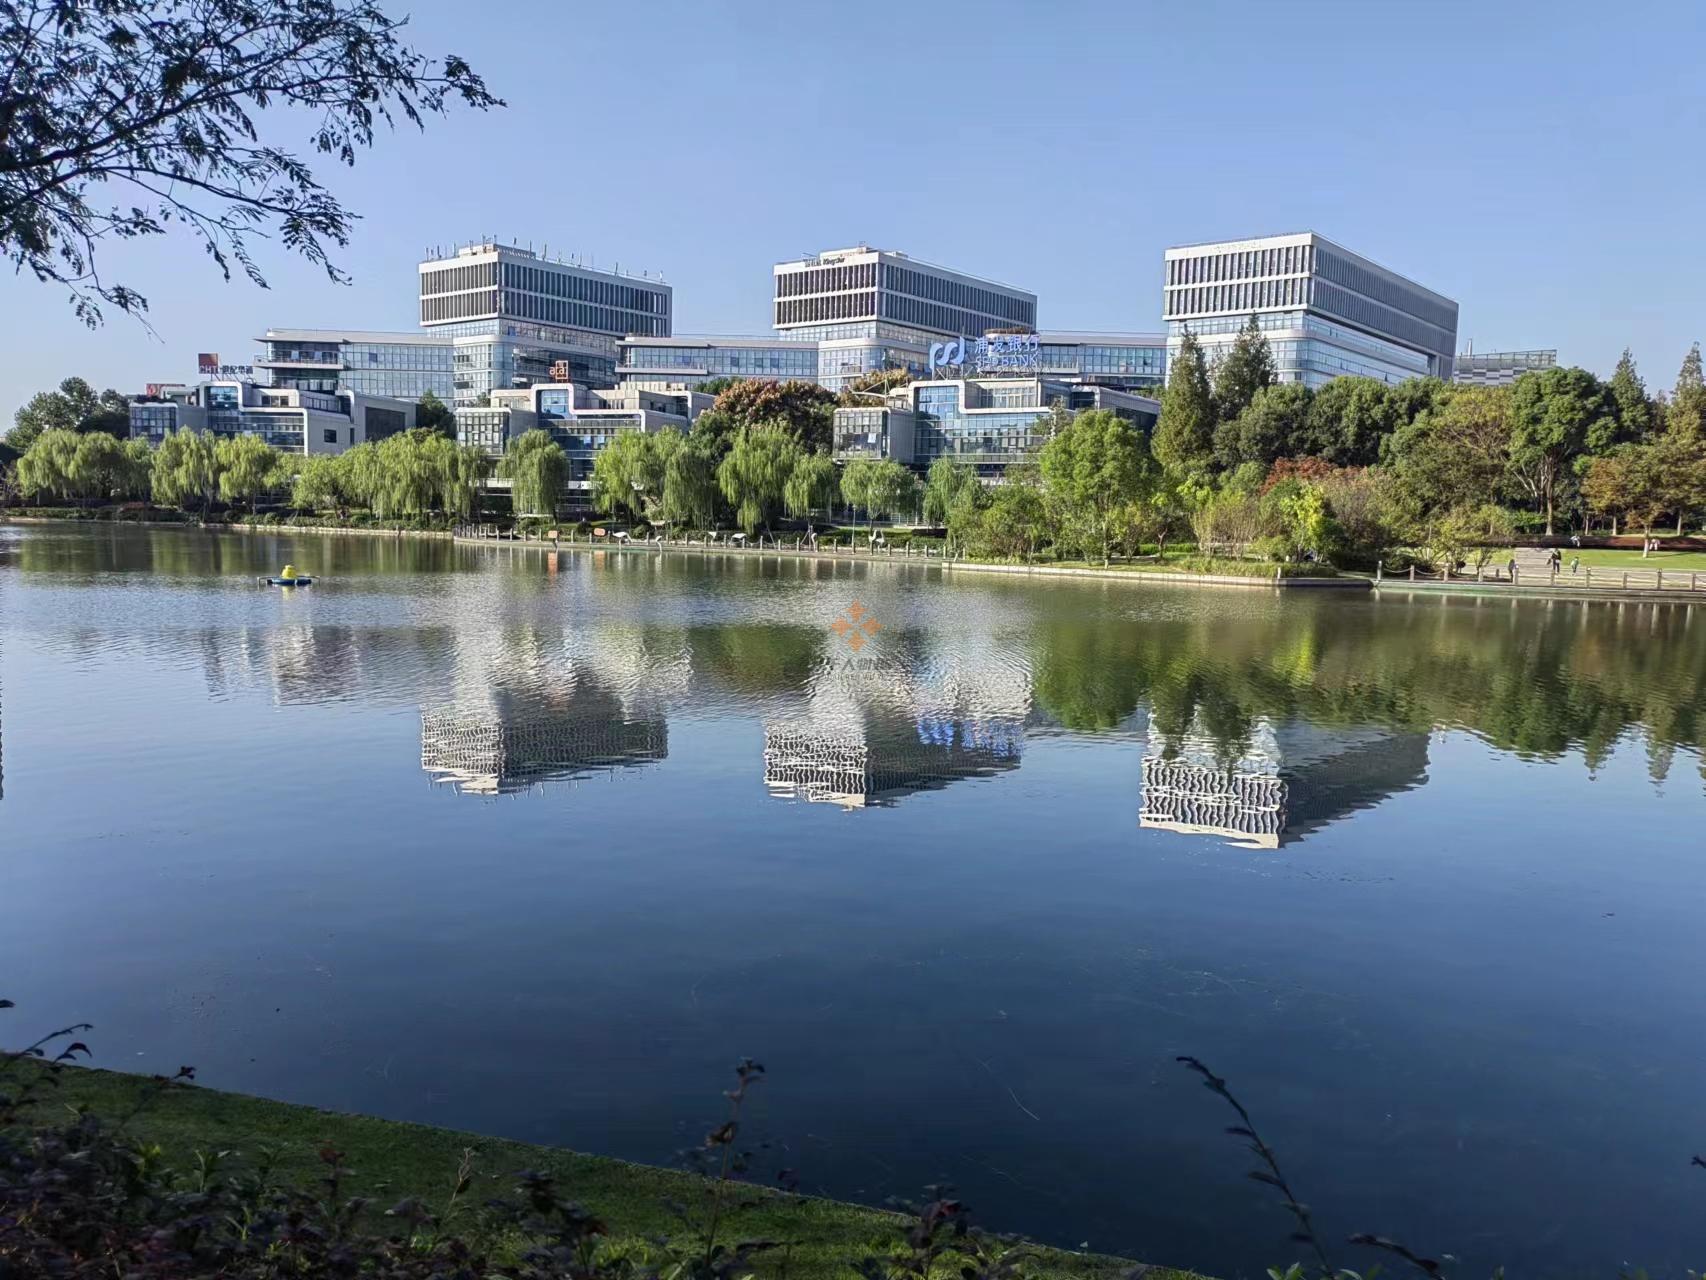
{"type": "Point", "coordinates": [421, 1160]}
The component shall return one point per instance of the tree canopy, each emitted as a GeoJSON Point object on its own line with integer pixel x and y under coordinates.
{"type": "Point", "coordinates": [126, 118]}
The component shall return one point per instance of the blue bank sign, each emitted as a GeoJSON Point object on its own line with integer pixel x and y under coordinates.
{"type": "Point", "coordinates": [995, 354]}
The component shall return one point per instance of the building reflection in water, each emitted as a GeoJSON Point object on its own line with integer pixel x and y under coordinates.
{"type": "Point", "coordinates": [1292, 779]}
{"type": "Point", "coordinates": [941, 708]}
{"type": "Point", "coordinates": [522, 741]}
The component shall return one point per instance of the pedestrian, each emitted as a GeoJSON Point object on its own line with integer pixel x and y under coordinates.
{"type": "Point", "coordinates": [1510, 568]}
{"type": "Point", "coordinates": [1576, 541]}
{"type": "Point", "coordinates": [1575, 563]}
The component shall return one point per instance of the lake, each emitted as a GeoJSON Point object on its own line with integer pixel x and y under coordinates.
{"type": "Point", "coordinates": [541, 844]}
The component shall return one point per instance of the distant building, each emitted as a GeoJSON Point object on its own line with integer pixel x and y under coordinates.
{"type": "Point", "coordinates": [986, 423]}
{"type": "Point", "coordinates": [1326, 312]}
{"type": "Point", "coordinates": [512, 315]}
{"type": "Point", "coordinates": [581, 419]}
{"type": "Point", "coordinates": [1133, 360]}
{"type": "Point", "coordinates": [285, 417]}
{"type": "Point", "coordinates": [1500, 368]}
{"type": "Point", "coordinates": [404, 366]}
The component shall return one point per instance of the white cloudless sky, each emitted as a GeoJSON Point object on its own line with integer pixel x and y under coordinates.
{"type": "Point", "coordinates": [1540, 163]}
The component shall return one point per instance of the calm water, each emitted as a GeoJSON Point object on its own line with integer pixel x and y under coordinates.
{"type": "Point", "coordinates": [462, 836]}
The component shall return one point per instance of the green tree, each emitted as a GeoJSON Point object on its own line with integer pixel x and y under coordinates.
{"type": "Point", "coordinates": [1015, 524]}
{"type": "Point", "coordinates": [410, 473]}
{"type": "Point", "coordinates": [362, 475]}
{"type": "Point", "coordinates": [812, 485]}
{"type": "Point", "coordinates": [537, 468]}
{"type": "Point", "coordinates": [803, 409]}
{"type": "Point", "coordinates": [463, 471]}
{"type": "Point", "coordinates": [319, 482]}
{"type": "Point", "coordinates": [1553, 412]}
{"type": "Point", "coordinates": [754, 474]}
{"type": "Point", "coordinates": [943, 485]}
{"type": "Point", "coordinates": [716, 386]}
{"type": "Point", "coordinates": [432, 414]}
{"type": "Point", "coordinates": [1625, 486]}
{"type": "Point", "coordinates": [1686, 415]}
{"type": "Point", "coordinates": [73, 406]}
{"type": "Point", "coordinates": [48, 468]}
{"type": "Point", "coordinates": [1270, 427]}
{"type": "Point", "coordinates": [890, 490]}
{"type": "Point", "coordinates": [128, 118]}
{"type": "Point", "coordinates": [1457, 453]}
{"type": "Point", "coordinates": [138, 469]}
{"type": "Point", "coordinates": [1634, 407]}
{"type": "Point", "coordinates": [1092, 469]}
{"type": "Point", "coordinates": [248, 466]}
{"type": "Point", "coordinates": [1348, 418]}
{"type": "Point", "coordinates": [1184, 435]}
{"type": "Point", "coordinates": [628, 474]}
{"type": "Point", "coordinates": [690, 492]}
{"type": "Point", "coordinates": [1245, 370]}
{"type": "Point", "coordinates": [186, 470]}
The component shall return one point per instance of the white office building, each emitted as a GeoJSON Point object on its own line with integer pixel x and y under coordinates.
{"type": "Point", "coordinates": [287, 418]}
{"type": "Point", "coordinates": [1326, 312]}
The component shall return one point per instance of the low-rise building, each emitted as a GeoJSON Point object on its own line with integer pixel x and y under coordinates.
{"type": "Point", "coordinates": [1500, 368]}
{"type": "Point", "coordinates": [986, 423]}
{"type": "Point", "coordinates": [287, 418]}
{"type": "Point", "coordinates": [581, 419]}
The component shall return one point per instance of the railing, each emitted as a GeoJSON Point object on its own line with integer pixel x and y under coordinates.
{"type": "Point", "coordinates": [1583, 578]}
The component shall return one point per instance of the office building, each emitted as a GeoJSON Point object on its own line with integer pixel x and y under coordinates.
{"type": "Point", "coordinates": [1326, 311]}
{"type": "Point", "coordinates": [1500, 368]}
{"type": "Point", "coordinates": [402, 366]}
{"type": "Point", "coordinates": [986, 423]}
{"type": "Point", "coordinates": [287, 418]}
{"type": "Point", "coordinates": [581, 419]}
{"type": "Point", "coordinates": [512, 315]}
{"type": "Point", "coordinates": [1134, 360]}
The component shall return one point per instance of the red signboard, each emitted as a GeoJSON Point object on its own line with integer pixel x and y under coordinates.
{"type": "Point", "coordinates": [207, 364]}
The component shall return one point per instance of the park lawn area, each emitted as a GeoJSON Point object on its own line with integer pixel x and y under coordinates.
{"type": "Point", "coordinates": [390, 1160]}
{"type": "Point", "coordinates": [1618, 558]}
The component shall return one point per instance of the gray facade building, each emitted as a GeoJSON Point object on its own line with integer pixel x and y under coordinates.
{"type": "Point", "coordinates": [287, 418]}
{"type": "Point", "coordinates": [1500, 368]}
{"type": "Point", "coordinates": [514, 316]}
{"type": "Point", "coordinates": [1326, 311]}
{"type": "Point", "coordinates": [368, 362]}
{"type": "Point", "coordinates": [863, 284]}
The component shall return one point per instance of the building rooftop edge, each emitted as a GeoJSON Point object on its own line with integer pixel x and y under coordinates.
{"type": "Point", "coordinates": [816, 260]}
{"type": "Point", "coordinates": [1314, 235]}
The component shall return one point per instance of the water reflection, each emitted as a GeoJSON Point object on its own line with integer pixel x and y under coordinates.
{"type": "Point", "coordinates": [1293, 779]}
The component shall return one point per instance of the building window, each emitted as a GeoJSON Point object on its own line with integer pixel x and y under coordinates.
{"type": "Point", "coordinates": [329, 435]}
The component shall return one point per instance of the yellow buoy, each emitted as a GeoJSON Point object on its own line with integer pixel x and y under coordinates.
{"type": "Point", "coordinates": [289, 571]}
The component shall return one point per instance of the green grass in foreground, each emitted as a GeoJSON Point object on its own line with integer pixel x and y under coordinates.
{"type": "Point", "coordinates": [1616, 558]}
{"type": "Point", "coordinates": [392, 1160]}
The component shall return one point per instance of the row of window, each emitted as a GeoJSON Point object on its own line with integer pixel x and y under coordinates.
{"type": "Point", "coordinates": [794, 284]}
{"type": "Point", "coordinates": [579, 288]}
{"type": "Point", "coordinates": [573, 339]}
{"type": "Point", "coordinates": [480, 275]}
{"type": "Point", "coordinates": [582, 315]}
{"type": "Point", "coordinates": [1292, 291]}
{"type": "Point", "coordinates": [1369, 314]}
{"type": "Point", "coordinates": [1001, 308]}
{"type": "Point", "coordinates": [1382, 288]}
{"type": "Point", "coordinates": [786, 360]}
{"type": "Point", "coordinates": [934, 316]}
{"type": "Point", "coordinates": [1214, 268]}
{"type": "Point", "coordinates": [834, 306]}
{"type": "Point", "coordinates": [396, 355]}
{"type": "Point", "coordinates": [459, 306]}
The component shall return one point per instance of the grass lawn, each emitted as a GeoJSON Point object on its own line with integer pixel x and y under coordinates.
{"type": "Point", "coordinates": [391, 1160]}
{"type": "Point", "coordinates": [1609, 558]}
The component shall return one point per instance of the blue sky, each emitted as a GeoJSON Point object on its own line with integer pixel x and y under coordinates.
{"type": "Point", "coordinates": [1540, 163]}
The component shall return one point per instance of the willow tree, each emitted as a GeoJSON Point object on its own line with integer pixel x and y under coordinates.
{"type": "Point", "coordinates": [690, 490]}
{"type": "Point", "coordinates": [186, 470]}
{"type": "Point", "coordinates": [537, 468]}
{"type": "Point", "coordinates": [49, 465]}
{"type": "Point", "coordinates": [812, 485]}
{"type": "Point", "coordinates": [754, 475]}
{"type": "Point", "coordinates": [248, 467]}
{"type": "Point", "coordinates": [629, 473]}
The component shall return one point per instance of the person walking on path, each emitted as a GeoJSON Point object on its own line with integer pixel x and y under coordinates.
{"type": "Point", "coordinates": [1510, 568]}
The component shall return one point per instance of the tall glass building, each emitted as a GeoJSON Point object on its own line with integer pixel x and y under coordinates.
{"type": "Point", "coordinates": [404, 366]}
{"type": "Point", "coordinates": [1326, 311]}
{"type": "Point", "coordinates": [516, 318]}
